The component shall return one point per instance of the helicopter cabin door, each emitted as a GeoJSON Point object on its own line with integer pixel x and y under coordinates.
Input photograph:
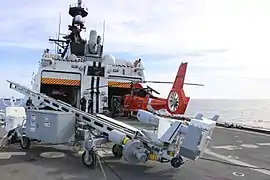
{"type": "Point", "coordinates": [139, 101]}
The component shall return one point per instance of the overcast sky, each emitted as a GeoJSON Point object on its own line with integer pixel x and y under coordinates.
{"type": "Point", "coordinates": [225, 42]}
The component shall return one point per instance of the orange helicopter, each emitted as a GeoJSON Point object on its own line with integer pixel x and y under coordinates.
{"type": "Point", "coordinates": [142, 97]}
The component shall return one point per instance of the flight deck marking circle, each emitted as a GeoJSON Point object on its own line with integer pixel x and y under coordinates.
{"type": "Point", "coordinates": [238, 174]}
{"type": "Point", "coordinates": [233, 157]}
{"type": "Point", "coordinates": [52, 155]}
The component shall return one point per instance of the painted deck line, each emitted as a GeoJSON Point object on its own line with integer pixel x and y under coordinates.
{"type": "Point", "coordinates": [237, 162]}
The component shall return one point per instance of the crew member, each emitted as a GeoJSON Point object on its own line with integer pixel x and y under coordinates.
{"type": "Point", "coordinates": [131, 88]}
{"type": "Point", "coordinates": [90, 105]}
{"type": "Point", "coordinates": [98, 39]}
{"type": "Point", "coordinates": [138, 65]}
{"type": "Point", "coordinates": [136, 62]}
{"type": "Point", "coordinates": [29, 103]}
{"type": "Point", "coordinates": [46, 51]}
{"type": "Point", "coordinates": [83, 103]}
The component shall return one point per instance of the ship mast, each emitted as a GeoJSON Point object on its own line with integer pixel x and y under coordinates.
{"type": "Point", "coordinates": [73, 40]}
{"type": "Point", "coordinates": [59, 31]}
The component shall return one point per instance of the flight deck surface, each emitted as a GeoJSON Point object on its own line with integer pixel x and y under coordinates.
{"type": "Point", "coordinates": [228, 145]}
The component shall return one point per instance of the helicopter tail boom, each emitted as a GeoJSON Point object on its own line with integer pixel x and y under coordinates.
{"type": "Point", "coordinates": [177, 101]}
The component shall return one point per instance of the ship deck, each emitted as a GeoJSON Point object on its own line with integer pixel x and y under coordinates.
{"type": "Point", "coordinates": [245, 149]}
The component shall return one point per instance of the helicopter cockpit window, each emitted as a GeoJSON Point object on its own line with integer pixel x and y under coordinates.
{"type": "Point", "coordinates": [151, 95]}
{"type": "Point", "coordinates": [135, 92]}
{"type": "Point", "coordinates": [142, 93]}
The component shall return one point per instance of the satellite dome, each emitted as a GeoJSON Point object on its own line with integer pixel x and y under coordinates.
{"type": "Point", "coordinates": [78, 19]}
{"type": "Point", "coordinates": [108, 59]}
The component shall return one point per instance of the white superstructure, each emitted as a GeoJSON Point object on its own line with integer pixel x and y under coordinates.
{"type": "Point", "coordinates": [80, 68]}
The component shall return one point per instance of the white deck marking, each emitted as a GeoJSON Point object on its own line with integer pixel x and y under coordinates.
{"type": "Point", "coordinates": [263, 144]}
{"type": "Point", "coordinates": [244, 131]}
{"type": "Point", "coordinates": [227, 147]}
{"type": "Point", "coordinates": [5, 155]}
{"type": "Point", "coordinates": [231, 147]}
{"type": "Point", "coordinates": [17, 153]}
{"type": "Point", "coordinates": [250, 146]}
{"type": "Point", "coordinates": [225, 158]}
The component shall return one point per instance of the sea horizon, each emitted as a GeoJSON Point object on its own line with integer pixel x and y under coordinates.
{"type": "Point", "coordinates": [250, 112]}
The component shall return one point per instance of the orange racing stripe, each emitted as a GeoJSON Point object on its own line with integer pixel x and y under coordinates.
{"type": "Point", "coordinates": [118, 84]}
{"type": "Point", "coordinates": [58, 81]}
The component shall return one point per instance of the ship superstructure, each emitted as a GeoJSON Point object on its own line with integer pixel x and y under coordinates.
{"type": "Point", "coordinates": [80, 68]}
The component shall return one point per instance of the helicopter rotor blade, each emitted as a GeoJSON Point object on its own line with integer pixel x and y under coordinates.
{"type": "Point", "coordinates": [168, 82]}
{"type": "Point", "coordinates": [194, 84]}
{"type": "Point", "coordinates": [155, 82]}
{"type": "Point", "coordinates": [151, 89]}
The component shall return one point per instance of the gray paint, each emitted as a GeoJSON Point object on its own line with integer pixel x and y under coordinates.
{"type": "Point", "coordinates": [50, 126]}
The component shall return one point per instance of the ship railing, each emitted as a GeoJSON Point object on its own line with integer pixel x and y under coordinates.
{"type": "Point", "coordinates": [73, 60]}
{"type": "Point", "coordinates": [57, 57]}
{"type": "Point", "coordinates": [124, 70]}
{"type": "Point", "coordinates": [50, 56]}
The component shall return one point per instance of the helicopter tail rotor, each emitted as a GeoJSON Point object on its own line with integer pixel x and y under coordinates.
{"type": "Point", "coordinates": [177, 101]}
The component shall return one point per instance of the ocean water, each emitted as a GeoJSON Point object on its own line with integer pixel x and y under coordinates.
{"type": "Point", "coordinates": [254, 113]}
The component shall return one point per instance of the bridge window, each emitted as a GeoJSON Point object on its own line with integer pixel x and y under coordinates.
{"type": "Point", "coordinates": [95, 71]}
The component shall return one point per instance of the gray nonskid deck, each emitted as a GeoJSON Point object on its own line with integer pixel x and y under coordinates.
{"type": "Point", "coordinates": [250, 148]}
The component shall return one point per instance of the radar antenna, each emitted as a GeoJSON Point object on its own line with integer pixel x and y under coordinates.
{"type": "Point", "coordinates": [79, 3]}
{"type": "Point", "coordinates": [103, 35]}
{"type": "Point", "coordinates": [59, 31]}
{"type": "Point", "coordinates": [73, 39]}
{"type": "Point", "coordinates": [57, 41]}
